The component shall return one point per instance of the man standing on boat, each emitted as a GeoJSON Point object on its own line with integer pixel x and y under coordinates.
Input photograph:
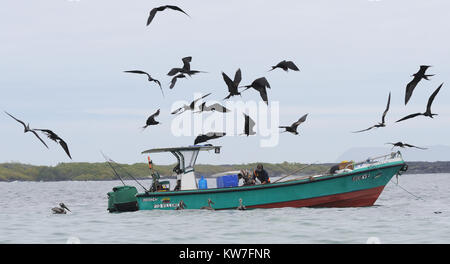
{"type": "Point", "coordinates": [261, 174]}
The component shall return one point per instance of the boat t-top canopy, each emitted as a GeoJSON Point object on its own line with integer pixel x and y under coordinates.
{"type": "Point", "coordinates": [189, 148]}
{"type": "Point", "coordinates": [186, 156]}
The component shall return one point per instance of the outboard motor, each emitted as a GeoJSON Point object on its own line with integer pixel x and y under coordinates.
{"type": "Point", "coordinates": [122, 199]}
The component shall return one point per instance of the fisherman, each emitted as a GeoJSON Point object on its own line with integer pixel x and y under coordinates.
{"type": "Point", "coordinates": [155, 177]}
{"type": "Point", "coordinates": [261, 174]}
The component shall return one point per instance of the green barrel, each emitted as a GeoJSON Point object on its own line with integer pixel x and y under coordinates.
{"type": "Point", "coordinates": [122, 199]}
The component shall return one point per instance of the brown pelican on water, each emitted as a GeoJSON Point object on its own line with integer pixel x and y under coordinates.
{"type": "Point", "coordinates": [60, 210]}
{"type": "Point", "coordinates": [241, 205]}
{"type": "Point", "coordinates": [209, 207]}
{"type": "Point", "coordinates": [181, 205]}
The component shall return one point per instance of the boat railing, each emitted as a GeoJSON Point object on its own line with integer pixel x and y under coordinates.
{"type": "Point", "coordinates": [379, 160]}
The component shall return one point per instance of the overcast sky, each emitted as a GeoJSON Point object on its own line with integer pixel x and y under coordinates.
{"type": "Point", "coordinates": [62, 64]}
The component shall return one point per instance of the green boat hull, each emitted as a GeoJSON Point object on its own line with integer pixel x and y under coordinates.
{"type": "Point", "coordinates": [360, 187]}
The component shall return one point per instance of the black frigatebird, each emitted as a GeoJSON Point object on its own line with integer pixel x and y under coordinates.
{"type": "Point", "coordinates": [428, 111]}
{"type": "Point", "coordinates": [232, 85]}
{"type": "Point", "coordinates": [27, 128]}
{"type": "Point", "coordinates": [293, 128]}
{"type": "Point", "coordinates": [286, 65]}
{"type": "Point", "coordinates": [208, 136]}
{"type": "Point", "coordinates": [162, 8]}
{"type": "Point", "coordinates": [403, 145]}
{"type": "Point", "coordinates": [150, 78]}
{"type": "Point", "coordinates": [151, 120]}
{"type": "Point", "coordinates": [413, 83]}
{"type": "Point", "coordinates": [51, 135]}
{"type": "Point", "coordinates": [382, 124]}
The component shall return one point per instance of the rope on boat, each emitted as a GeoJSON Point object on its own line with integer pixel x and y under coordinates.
{"type": "Point", "coordinates": [404, 168]}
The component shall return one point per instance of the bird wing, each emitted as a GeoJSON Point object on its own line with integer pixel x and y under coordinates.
{"type": "Point", "coordinates": [262, 82]}
{"type": "Point", "coordinates": [179, 109]}
{"type": "Point", "coordinates": [160, 87]}
{"type": "Point", "coordinates": [200, 139]}
{"type": "Point", "coordinates": [263, 94]}
{"type": "Point", "coordinates": [152, 14]}
{"type": "Point", "coordinates": [208, 136]}
{"type": "Point", "coordinates": [36, 134]}
{"type": "Point", "coordinates": [301, 120]}
{"type": "Point", "coordinates": [16, 119]}
{"type": "Point", "coordinates": [65, 147]}
{"type": "Point", "coordinates": [155, 114]}
{"type": "Point", "coordinates": [410, 88]}
{"type": "Point", "coordinates": [177, 9]}
{"type": "Point", "coordinates": [430, 100]}
{"type": "Point", "coordinates": [137, 71]}
{"type": "Point", "coordinates": [231, 87]}
{"type": "Point", "coordinates": [279, 65]}
{"type": "Point", "coordinates": [174, 80]}
{"type": "Point", "coordinates": [249, 125]}
{"type": "Point", "coordinates": [408, 117]}
{"type": "Point", "coordinates": [174, 71]}
{"type": "Point", "coordinates": [186, 63]}
{"type": "Point", "coordinates": [412, 146]}
{"type": "Point", "coordinates": [292, 66]}
{"type": "Point", "coordinates": [237, 77]}
{"type": "Point", "coordinates": [193, 102]}
{"type": "Point", "coordinates": [364, 129]}
{"type": "Point", "coordinates": [172, 83]}
{"type": "Point", "coordinates": [387, 109]}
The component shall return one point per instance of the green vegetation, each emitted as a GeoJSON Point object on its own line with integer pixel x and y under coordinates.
{"type": "Point", "coordinates": [101, 171]}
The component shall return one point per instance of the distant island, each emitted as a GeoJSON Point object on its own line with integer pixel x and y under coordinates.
{"type": "Point", "coordinates": [84, 171]}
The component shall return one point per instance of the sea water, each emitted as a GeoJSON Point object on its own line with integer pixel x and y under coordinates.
{"type": "Point", "coordinates": [415, 211]}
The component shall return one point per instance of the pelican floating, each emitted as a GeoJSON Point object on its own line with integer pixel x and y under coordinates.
{"type": "Point", "coordinates": [209, 207]}
{"type": "Point", "coordinates": [61, 209]}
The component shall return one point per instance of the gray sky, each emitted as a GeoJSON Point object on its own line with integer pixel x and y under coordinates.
{"type": "Point", "coordinates": [62, 61]}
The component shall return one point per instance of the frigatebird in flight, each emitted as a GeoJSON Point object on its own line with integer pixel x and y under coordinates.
{"type": "Point", "coordinates": [293, 128]}
{"type": "Point", "coordinates": [186, 69]}
{"type": "Point", "coordinates": [208, 136]}
{"type": "Point", "coordinates": [382, 124]}
{"type": "Point", "coordinates": [151, 120]}
{"type": "Point", "coordinates": [51, 135]}
{"type": "Point", "coordinates": [428, 111]}
{"type": "Point", "coordinates": [233, 85]}
{"type": "Point", "coordinates": [285, 65]}
{"type": "Point", "coordinates": [26, 128]}
{"type": "Point", "coordinates": [413, 83]}
{"type": "Point", "coordinates": [150, 79]}
{"type": "Point", "coordinates": [403, 145]}
{"type": "Point", "coordinates": [191, 106]}
{"type": "Point", "coordinates": [162, 8]}
{"type": "Point", "coordinates": [259, 85]}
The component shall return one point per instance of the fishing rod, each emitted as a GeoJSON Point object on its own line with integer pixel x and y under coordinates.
{"type": "Point", "coordinates": [131, 176]}
{"type": "Point", "coordinates": [115, 172]}
{"type": "Point", "coordinates": [302, 168]}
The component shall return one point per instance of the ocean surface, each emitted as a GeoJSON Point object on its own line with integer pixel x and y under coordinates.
{"type": "Point", "coordinates": [416, 211]}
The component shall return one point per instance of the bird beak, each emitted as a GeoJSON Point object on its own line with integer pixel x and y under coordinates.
{"type": "Point", "coordinates": [65, 207]}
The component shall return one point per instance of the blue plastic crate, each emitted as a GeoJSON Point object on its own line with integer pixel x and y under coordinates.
{"type": "Point", "coordinates": [227, 181]}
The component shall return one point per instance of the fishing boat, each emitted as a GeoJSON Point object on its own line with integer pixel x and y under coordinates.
{"type": "Point", "coordinates": [348, 184]}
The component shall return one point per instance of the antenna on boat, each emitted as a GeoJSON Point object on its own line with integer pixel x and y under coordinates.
{"type": "Point", "coordinates": [115, 172]}
{"type": "Point", "coordinates": [131, 176]}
